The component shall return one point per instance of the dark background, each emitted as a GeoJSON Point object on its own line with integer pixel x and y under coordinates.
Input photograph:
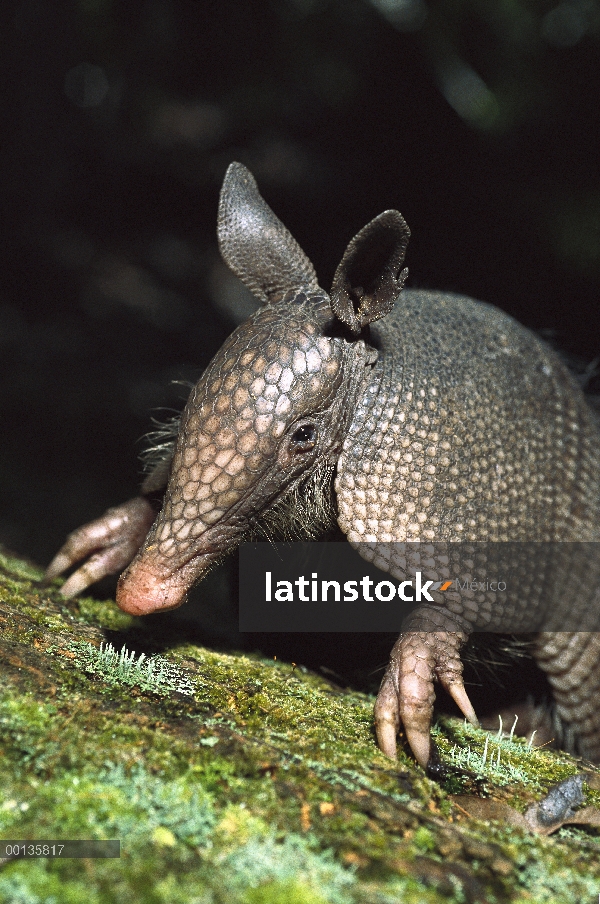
{"type": "Point", "coordinates": [478, 120]}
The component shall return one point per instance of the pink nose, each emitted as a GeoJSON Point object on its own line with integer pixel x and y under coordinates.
{"type": "Point", "coordinates": [143, 589]}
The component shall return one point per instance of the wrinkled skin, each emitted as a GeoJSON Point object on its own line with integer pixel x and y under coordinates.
{"type": "Point", "coordinates": [305, 383]}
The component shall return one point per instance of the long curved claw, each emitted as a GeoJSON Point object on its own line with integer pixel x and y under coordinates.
{"type": "Point", "coordinates": [108, 561]}
{"type": "Point", "coordinates": [61, 562]}
{"type": "Point", "coordinates": [406, 695]}
{"type": "Point", "coordinates": [459, 695]}
{"type": "Point", "coordinates": [387, 718]}
{"type": "Point", "coordinates": [420, 743]}
{"type": "Point", "coordinates": [111, 540]}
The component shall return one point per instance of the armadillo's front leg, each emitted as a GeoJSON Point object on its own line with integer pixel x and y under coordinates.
{"type": "Point", "coordinates": [111, 541]}
{"type": "Point", "coordinates": [428, 650]}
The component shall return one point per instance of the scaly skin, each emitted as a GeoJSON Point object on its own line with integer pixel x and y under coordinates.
{"type": "Point", "coordinates": [429, 458]}
{"type": "Point", "coordinates": [241, 443]}
{"type": "Point", "coordinates": [445, 421]}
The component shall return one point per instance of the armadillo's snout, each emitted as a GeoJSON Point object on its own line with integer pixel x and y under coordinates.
{"type": "Point", "coordinates": [145, 587]}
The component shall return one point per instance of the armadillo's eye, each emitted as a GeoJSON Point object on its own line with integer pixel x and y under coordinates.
{"type": "Point", "coordinates": [304, 438]}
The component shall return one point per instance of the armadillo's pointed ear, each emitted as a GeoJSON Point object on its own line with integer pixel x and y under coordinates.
{"type": "Point", "coordinates": [256, 245]}
{"type": "Point", "coordinates": [368, 279]}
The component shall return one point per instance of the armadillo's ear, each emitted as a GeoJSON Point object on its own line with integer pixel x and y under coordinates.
{"type": "Point", "coordinates": [256, 245]}
{"type": "Point", "coordinates": [368, 279]}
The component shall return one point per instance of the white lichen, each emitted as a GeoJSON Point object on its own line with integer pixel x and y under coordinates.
{"type": "Point", "coordinates": [152, 673]}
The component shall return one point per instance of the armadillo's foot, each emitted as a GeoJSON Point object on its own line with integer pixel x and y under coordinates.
{"type": "Point", "coordinates": [406, 695]}
{"type": "Point", "coordinates": [111, 541]}
{"type": "Point", "coordinates": [571, 660]}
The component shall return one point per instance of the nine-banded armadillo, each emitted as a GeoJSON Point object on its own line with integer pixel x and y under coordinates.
{"type": "Point", "coordinates": [424, 416]}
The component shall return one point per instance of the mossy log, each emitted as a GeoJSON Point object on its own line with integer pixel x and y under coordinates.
{"type": "Point", "coordinates": [231, 779]}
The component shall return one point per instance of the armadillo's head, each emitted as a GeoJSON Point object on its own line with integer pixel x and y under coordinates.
{"type": "Point", "coordinates": [275, 402]}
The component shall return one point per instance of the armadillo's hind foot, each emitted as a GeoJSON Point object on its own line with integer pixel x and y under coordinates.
{"type": "Point", "coordinates": [111, 541]}
{"type": "Point", "coordinates": [572, 662]}
{"type": "Point", "coordinates": [406, 695]}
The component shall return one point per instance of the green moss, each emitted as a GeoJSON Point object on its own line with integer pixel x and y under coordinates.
{"type": "Point", "coordinates": [290, 892]}
{"type": "Point", "coordinates": [424, 839]}
{"type": "Point", "coordinates": [115, 803]}
{"type": "Point", "coordinates": [26, 732]}
{"type": "Point", "coordinates": [104, 614]}
{"type": "Point", "coordinates": [23, 570]}
{"type": "Point", "coordinates": [265, 785]}
{"type": "Point", "coordinates": [500, 761]}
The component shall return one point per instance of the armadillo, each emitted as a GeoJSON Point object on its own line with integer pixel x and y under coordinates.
{"type": "Point", "coordinates": [421, 416]}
